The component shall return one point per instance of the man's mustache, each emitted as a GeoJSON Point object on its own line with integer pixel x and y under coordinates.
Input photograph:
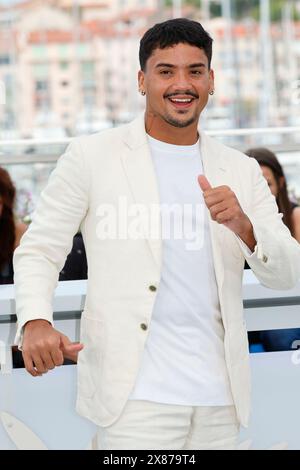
{"type": "Point", "coordinates": [188, 93]}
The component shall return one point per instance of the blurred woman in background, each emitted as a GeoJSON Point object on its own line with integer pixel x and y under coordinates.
{"type": "Point", "coordinates": [273, 173]}
{"type": "Point", "coordinates": [277, 340]}
{"type": "Point", "coordinates": [11, 230]}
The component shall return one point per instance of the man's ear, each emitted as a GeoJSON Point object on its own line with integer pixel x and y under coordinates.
{"type": "Point", "coordinates": [141, 80]}
{"type": "Point", "coordinates": [212, 78]}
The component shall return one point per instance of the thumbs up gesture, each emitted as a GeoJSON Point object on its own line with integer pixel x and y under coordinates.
{"type": "Point", "coordinates": [225, 209]}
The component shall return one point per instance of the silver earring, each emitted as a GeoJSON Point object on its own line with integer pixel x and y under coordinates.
{"type": "Point", "coordinates": [212, 92]}
{"type": "Point", "coordinates": [143, 92]}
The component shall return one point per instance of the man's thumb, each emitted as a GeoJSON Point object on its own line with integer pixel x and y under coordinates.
{"type": "Point", "coordinates": [204, 183]}
{"type": "Point", "coordinates": [67, 346]}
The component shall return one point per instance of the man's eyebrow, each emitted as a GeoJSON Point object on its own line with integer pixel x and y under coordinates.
{"type": "Point", "coordinates": [191, 66]}
{"type": "Point", "coordinates": [162, 64]}
{"type": "Point", "coordinates": [199, 64]}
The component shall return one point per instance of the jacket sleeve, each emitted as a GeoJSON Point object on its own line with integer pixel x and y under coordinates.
{"type": "Point", "coordinates": [45, 245]}
{"type": "Point", "coordinates": [276, 259]}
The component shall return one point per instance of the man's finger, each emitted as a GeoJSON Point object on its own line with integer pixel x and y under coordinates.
{"type": "Point", "coordinates": [39, 364]}
{"type": "Point", "coordinates": [57, 357]}
{"type": "Point", "coordinates": [47, 360]}
{"type": "Point", "coordinates": [213, 199]}
{"type": "Point", "coordinates": [218, 208]}
{"type": "Point", "coordinates": [29, 366]}
{"type": "Point", "coordinates": [204, 183]}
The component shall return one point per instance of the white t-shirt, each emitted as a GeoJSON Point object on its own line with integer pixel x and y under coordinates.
{"type": "Point", "coordinates": [183, 361]}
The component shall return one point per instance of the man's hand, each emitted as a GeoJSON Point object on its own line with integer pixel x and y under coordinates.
{"type": "Point", "coordinates": [225, 209]}
{"type": "Point", "coordinates": [45, 348]}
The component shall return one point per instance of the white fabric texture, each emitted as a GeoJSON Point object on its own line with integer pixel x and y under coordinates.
{"type": "Point", "coordinates": [184, 361]}
{"type": "Point", "coordinates": [145, 425]}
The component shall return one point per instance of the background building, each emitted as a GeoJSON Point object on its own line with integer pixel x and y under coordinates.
{"type": "Point", "coordinates": [71, 65]}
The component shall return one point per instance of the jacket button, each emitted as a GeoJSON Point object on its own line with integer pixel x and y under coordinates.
{"type": "Point", "coordinates": [265, 258]}
{"type": "Point", "coordinates": [144, 326]}
{"type": "Point", "coordinates": [152, 288]}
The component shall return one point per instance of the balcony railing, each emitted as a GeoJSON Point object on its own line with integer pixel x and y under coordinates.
{"type": "Point", "coordinates": [33, 150]}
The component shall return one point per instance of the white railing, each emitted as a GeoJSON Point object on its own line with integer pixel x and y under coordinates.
{"type": "Point", "coordinates": [16, 151]}
{"type": "Point", "coordinates": [255, 131]}
{"type": "Point", "coordinates": [263, 306]}
{"type": "Point", "coordinates": [219, 133]}
{"type": "Point", "coordinates": [40, 413]}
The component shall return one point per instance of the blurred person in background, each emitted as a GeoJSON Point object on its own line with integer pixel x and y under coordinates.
{"type": "Point", "coordinates": [277, 340]}
{"type": "Point", "coordinates": [75, 267]}
{"type": "Point", "coordinates": [11, 230]}
{"type": "Point", "coordinates": [273, 173]}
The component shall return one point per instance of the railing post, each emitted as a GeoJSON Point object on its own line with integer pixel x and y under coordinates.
{"type": "Point", "coordinates": [6, 362]}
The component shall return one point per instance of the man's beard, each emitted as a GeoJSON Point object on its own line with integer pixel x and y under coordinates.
{"type": "Point", "coordinates": [178, 123]}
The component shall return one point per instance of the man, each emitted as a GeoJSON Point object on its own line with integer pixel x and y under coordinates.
{"type": "Point", "coordinates": [163, 362]}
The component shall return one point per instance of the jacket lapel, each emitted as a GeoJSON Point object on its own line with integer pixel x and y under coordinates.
{"type": "Point", "coordinates": [216, 173]}
{"type": "Point", "coordinates": [141, 176]}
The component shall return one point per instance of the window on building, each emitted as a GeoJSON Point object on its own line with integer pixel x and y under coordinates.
{"type": "Point", "coordinates": [88, 69]}
{"type": "Point", "coordinates": [89, 100]}
{"type": "Point", "coordinates": [63, 52]}
{"type": "Point", "coordinates": [39, 51]}
{"type": "Point", "coordinates": [42, 102]}
{"type": "Point", "coordinates": [88, 75]}
{"type": "Point", "coordinates": [41, 71]}
{"type": "Point", "coordinates": [82, 50]}
{"type": "Point", "coordinates": [5, 59]}
{"type": "Point", "coordinates": [8, 81]}
{"type": "Point", "coordinates": [41, 85]}
{"type": "Point", "coordinates": [64, 65]}
{"type": "Point", "coordinates": [42, 95]}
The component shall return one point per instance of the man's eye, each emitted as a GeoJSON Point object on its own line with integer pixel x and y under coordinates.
{"type": "Point", "coordinates": [196, 72]}
{"type": "Point", "coordinates": [165, 72]}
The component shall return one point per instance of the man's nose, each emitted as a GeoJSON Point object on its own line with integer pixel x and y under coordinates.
{"type": "Point", "coordinates": [181, 80]}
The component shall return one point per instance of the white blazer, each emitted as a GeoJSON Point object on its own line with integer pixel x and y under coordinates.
{"type": "Point", "coordinates": [97, 170]}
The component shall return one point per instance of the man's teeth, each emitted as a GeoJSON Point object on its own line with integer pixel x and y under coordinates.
{"type": "Point", "coordinates": [181, 100]}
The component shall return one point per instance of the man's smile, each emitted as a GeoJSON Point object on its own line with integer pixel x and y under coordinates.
{"type": "Point", "coordinates": [181, 101]}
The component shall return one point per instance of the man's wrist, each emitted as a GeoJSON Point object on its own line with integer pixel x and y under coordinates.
{"type": "Point", "coordinates": [247, 236]}
{"type": "Point", "coordinates": [35, 321]}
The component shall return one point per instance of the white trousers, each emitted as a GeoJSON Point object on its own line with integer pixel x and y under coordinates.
{"type": "Point", "coordinates": [149, 425]}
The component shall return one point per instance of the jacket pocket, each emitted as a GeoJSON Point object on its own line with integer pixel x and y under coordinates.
{"type": "Point", "coordinates": [90, 359]}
